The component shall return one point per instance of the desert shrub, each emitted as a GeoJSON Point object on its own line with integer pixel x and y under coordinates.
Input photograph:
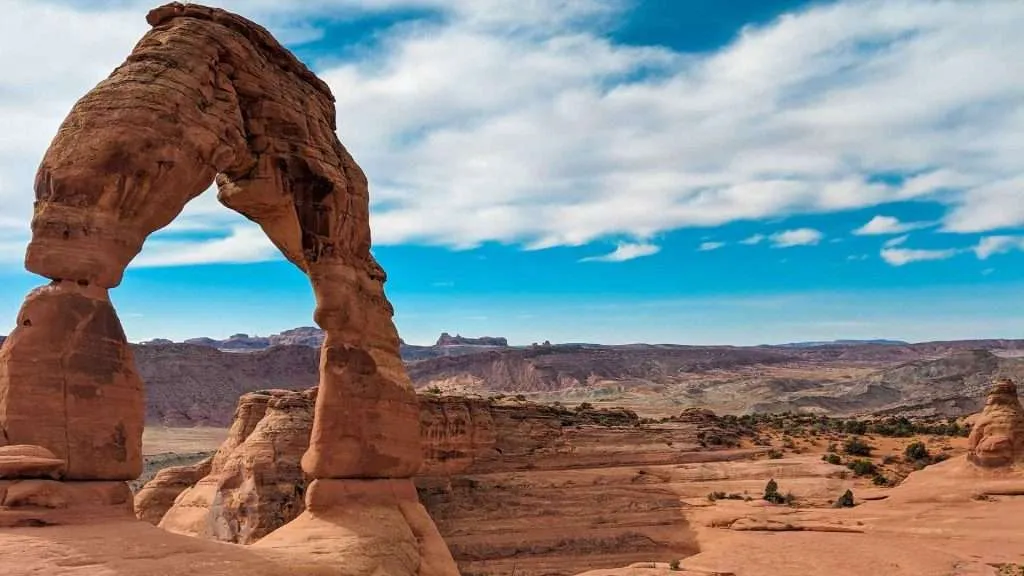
{"type": "Point", "coordinates": [771, 493]}
{"type": "Point", "coordinates": [857, 447]}
{"type": "Point", "coordinates": [879, 480]}
{"type": "Point", "coordinates": [844, 501]}
{"type": "Point", "coordinates": [855, 427]}
{"type": "Point", "coordinates": [584, 406]}
{"type": "Point", "coordinates": [775, 454]}
{"type": "Point", "coordinates": [832, 458]}
{"type": "Point", "coordinates": [916, 451]}
{"type": "Point", "coordinates": [520, 397]}
{"type": "Point", "coordinates": [434, 390]}
{"type": "Point", "coordinates": [890, 459]}
{"type": "Point", "coordinates": [674, 565]}
{"type": "Point", "coordinates": [712, 496]}
{"type": "Point", "coordinates": [862, 467]}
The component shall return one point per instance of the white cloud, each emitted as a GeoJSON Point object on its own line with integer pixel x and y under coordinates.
{"type": "Point", "coordinates": [626, 251]}
{"type": "Point", "coordinates": [892, 242]}
{"type": "Point", "coordinates": [901, 256]}
{"type": "Point", "coordinates": [857, 257]}
{"type": "Point", "coordinates": [246, 243]}
{"type": "Point", "coordinates": [796, 237]}
{"type": "Point", "coordinates": [991, 245]}
{"type": "Point", "coordinates": [754, 240]}
{"type": "Point", "coordinates": [991, 206]}
{"type": "Point", "coordinates": [577, 138]}
{"type": "Point", "coordinates": [709, 246]}
{"type": "Point", "coordinates": [888, 225]}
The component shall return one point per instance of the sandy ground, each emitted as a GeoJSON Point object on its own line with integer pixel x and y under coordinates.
{"type": "Point", "coordinates": [163, 440]}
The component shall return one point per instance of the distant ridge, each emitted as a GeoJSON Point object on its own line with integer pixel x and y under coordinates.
{"type": "Point", "coordinates": [814, 344]}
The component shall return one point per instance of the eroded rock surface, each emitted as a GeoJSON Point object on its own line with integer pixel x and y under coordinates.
{"type": "Point", "coordinates": [997, 438]}
{"type": "Point", "coordinates": [255, 482]}
{"type": "Point", "coordinates": [158, 495]}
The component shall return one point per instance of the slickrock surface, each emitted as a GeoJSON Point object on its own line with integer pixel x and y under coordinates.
{"type": "Point", "coordinates": [997, 438]}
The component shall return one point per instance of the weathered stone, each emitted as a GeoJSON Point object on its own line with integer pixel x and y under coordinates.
{"type": "Point", "coordinates": [254, 485]}
{"type": "Point", "coordinates": [387, 530]}
{"type": "Point", "coordinates": [48, 502]}
{"type": "Point", "coordinates": [25, 461]}
{"type": "Point", "coordinates": [997, 437]}
{"type": "Point", "coordinates": [68, 383]}
{"type": "Point", "coordinates": [158, 495]}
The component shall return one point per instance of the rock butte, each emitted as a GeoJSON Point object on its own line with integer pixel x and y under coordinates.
{"type": "Point", "coordinates": [207, 96]}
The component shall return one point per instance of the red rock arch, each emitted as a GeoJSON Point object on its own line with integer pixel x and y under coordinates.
{"type": "Point", "coordinates": [205, 96]}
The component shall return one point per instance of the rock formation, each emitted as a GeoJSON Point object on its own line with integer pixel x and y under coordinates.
{"type": "Point", "coordinates": [209, 96]}
{"type": "Point", "coordinates": [158, 495]}
{"type": "Point", "coordinates": [255, 482]}
{"type": "Point", "coordinates": [997, 437]}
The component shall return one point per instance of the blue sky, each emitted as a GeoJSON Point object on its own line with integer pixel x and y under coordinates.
{"type": "Point", "coordinates": [607, 171]}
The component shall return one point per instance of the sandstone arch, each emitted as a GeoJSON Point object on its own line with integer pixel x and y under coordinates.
{"type": "Point", "coordinates": [205, 96]}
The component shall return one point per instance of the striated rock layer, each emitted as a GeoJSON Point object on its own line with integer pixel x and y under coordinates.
{"type": "Point", "coordinates": [997, 437]}
{"type": "Point", "coordinates": [205, 96]}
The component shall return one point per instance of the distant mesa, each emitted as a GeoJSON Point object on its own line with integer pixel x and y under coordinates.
{"type": "Point", "coordinates": [446, 339]}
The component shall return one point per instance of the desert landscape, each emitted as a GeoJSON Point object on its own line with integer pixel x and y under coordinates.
{"type": "Point", "coordinates": [343, 450]}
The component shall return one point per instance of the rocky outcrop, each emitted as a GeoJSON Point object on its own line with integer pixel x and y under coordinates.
{"type": "Point", "coordinates": [446, 339]}
{"type": "Point", "coordinates": [255, 482]}
{"type": "Point", "coordinates": [206, 96]}
{"type": "Point", "coordinates": [997, 437]}
{"type": "Point", "coordinates": [158, 495]}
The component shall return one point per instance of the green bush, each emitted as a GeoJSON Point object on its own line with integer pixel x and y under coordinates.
{"type": "Point", "coordinates": [857, 447]}
{"type": "Point", "coordinates": [771, 493]}
{"type": "Point", "coordinates": [879, 480]}
{"type": "Point", "coordinates": [832, 459]}
{"type": "Point", "coordinates": [674, 565]}
{"type": "Point", "coordinates": [916, 451]}
{"type": "Point", "coordinates": [844, 501]}
{"type": "Point", "coordinates": [775, 454]}
{"type": "Point", "coordinates": [862, 467]}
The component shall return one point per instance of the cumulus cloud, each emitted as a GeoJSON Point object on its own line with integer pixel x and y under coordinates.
{"type": "Point", "coordinates": [753, 240]}
{"type": "Point", "coordinates": [902, 256]}
{"type": "Point", "coordinates": [577, 138]}
{"type": "Point", "coordinates": [626, 251]}
{"type": "Point", "coordinates": [796, 237]}
{"type": "Point", "coordinates": [991, 245]}
{"type": "Point", "coordinates": [709, 246]}
{"type": "Point", "coordinates": [888, 225]}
